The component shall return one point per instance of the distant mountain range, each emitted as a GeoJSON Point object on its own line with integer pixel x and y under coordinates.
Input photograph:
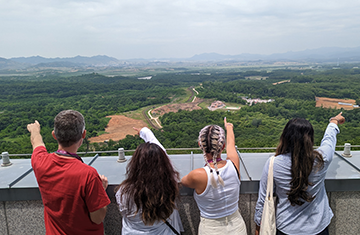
{"type": "Point", "coordinates": [81, 60]}
{"type": "Point", "coordinates": [325, 54]}
{"type": "Point", "coordinates": [321, 55]}
{"type": "Point", "coordinates": [71, 62]}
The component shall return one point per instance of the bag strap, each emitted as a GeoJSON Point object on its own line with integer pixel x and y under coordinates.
{"type": "Point", "coordinates": [270, 179]}
{"type": "Point", "coordinates": [171, 227]}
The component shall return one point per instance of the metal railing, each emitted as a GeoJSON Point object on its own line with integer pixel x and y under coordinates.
{"type": "Point", "coordinates": [171, 149]}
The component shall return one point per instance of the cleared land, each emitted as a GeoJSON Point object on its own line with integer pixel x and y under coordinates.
{"type": "Point", "coordinates": [175, 107]}
{"type": "Point", "coordinates": [334, 103]}
{"type": "Point", "coordinates": [276, 83]}
{"type": "Point", "coordinates": [118, 127]}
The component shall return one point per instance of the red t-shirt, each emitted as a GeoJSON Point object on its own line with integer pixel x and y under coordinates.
{"type": "Point", "coordinates": [70, 190]}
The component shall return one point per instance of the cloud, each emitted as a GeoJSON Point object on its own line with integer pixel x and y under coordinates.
{"type": "Point", "coordinates": [159, 28]}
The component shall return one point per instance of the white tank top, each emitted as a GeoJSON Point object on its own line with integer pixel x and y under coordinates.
{"type": "Point", "coordinates": [215, 203]}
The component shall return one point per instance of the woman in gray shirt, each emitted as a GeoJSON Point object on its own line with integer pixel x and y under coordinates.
{"type": "Point", "coordinates": [299, 175]}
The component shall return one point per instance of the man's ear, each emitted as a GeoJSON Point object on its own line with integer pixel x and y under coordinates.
{"type": "Point", "coordinates": [223, 147]}
{"type": "Point", "coordinates": [83, 134]}
{"type": "Point", "coordinates": [53, 134]}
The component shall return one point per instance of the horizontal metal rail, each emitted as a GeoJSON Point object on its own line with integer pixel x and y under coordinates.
{"type": "Point", "coordinates": [176, 149]}
{"type": "Point", "coordinates": [31, 169]}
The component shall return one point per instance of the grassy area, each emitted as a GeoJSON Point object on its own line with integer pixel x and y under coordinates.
{"type": "Point", "coordinates": [206, 103]}
{"type": "Point", "coordinates": [183, 99]}
{"type": "Point", "coordinates": [136, 114]}
{"type": "Point", "coordinates": [102, 132]}
{"type": "Point", "coordinates": [233, 105]}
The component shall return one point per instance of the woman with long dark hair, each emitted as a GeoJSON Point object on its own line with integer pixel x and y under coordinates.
{"type": "Point", "coordinates": [299, 179]}
{"type": "Point", "coordinates": [147, 197]}
{"type": "Point", "coordinates": [217, 185]}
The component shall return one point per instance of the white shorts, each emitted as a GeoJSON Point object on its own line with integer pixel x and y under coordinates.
{"type": "Point", "coordinates": [229, 225]}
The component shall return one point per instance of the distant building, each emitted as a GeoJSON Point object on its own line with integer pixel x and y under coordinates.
{"type": "Point", "coordinates": [257, 100]}
{"type": "Point", "coordinates": [342, 103]}
{"type": "Point", "coordinates": [147, 78]}
{"type": "Point", "coordinates": [216, 105]}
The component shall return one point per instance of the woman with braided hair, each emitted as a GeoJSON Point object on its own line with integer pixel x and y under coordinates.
{"type": "Point", "coordinates": [217, 184]}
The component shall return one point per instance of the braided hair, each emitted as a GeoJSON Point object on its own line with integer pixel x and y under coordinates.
{"type": "Point", "coordinates": [211, 140]}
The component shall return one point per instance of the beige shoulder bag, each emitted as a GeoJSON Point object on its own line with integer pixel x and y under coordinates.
{"type": "Point", "coordinates": [268, 221]}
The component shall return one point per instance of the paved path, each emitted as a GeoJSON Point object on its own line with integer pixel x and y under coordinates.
{"type": "Point", "coordinates": [156, 119]}
{"type": "Point", "coordinates": [195, 95]}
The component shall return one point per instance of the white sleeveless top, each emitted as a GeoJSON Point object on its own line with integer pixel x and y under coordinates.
{"type": "Point", "coordinates": [215, 203]}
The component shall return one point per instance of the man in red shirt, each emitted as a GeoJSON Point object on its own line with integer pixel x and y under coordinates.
{"type": "Point", "coordinates": [72, 192]}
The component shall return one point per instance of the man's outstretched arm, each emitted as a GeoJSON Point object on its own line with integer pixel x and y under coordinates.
{"type": "Point", "coordinates": [35, 136]}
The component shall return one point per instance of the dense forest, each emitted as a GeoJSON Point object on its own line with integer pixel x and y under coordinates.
{"type": "Point", "coordinates": [24, 99]}
{"type": "Point", "coordinates": [259, 125]}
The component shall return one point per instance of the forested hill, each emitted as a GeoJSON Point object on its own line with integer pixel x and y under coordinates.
{"type": "Point", "coordinates": [303, 85]}
{"type": "Point", "coordinates": [24, 99]}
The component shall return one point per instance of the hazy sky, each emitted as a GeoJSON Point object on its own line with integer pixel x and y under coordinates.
{"type": "Point", "coordinates": [127, 29]}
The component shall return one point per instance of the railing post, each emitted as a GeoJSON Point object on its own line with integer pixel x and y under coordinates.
{"type": "Point", "coordinates": [347, 148]}
{"type": "Point", "coordinates": [121, 153]}
{"type": "Point", "coordinates": [192, 161]}
{"type": "Point", "coordinates": [6, 159]}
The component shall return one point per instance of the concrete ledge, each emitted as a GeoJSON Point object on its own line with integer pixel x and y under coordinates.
{"type": "Point", "coordinates": [3, 223]}
{"type": "Point", "coordinates": [26, 217]}
{"type": "Point", "coordinates": [346, 208]}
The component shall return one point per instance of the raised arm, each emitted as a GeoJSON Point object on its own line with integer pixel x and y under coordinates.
{"type": "Point", "coordinates": [328, 142]}
{"type": "Point", "coordinates": [338, 119]}
{"type": "Point", "coordinates": [230, 144]}
{"type": "Point", "coordinates": [148, 136]}
{"type": "Point", "coordinates": [35, 136]}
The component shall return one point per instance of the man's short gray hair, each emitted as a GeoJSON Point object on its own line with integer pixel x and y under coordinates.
{"type": "Point", "coordinates": [69, 126]}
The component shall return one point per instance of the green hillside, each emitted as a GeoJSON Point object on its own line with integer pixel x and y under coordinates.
{"type": "Point", "coordinates": [26, 98]}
